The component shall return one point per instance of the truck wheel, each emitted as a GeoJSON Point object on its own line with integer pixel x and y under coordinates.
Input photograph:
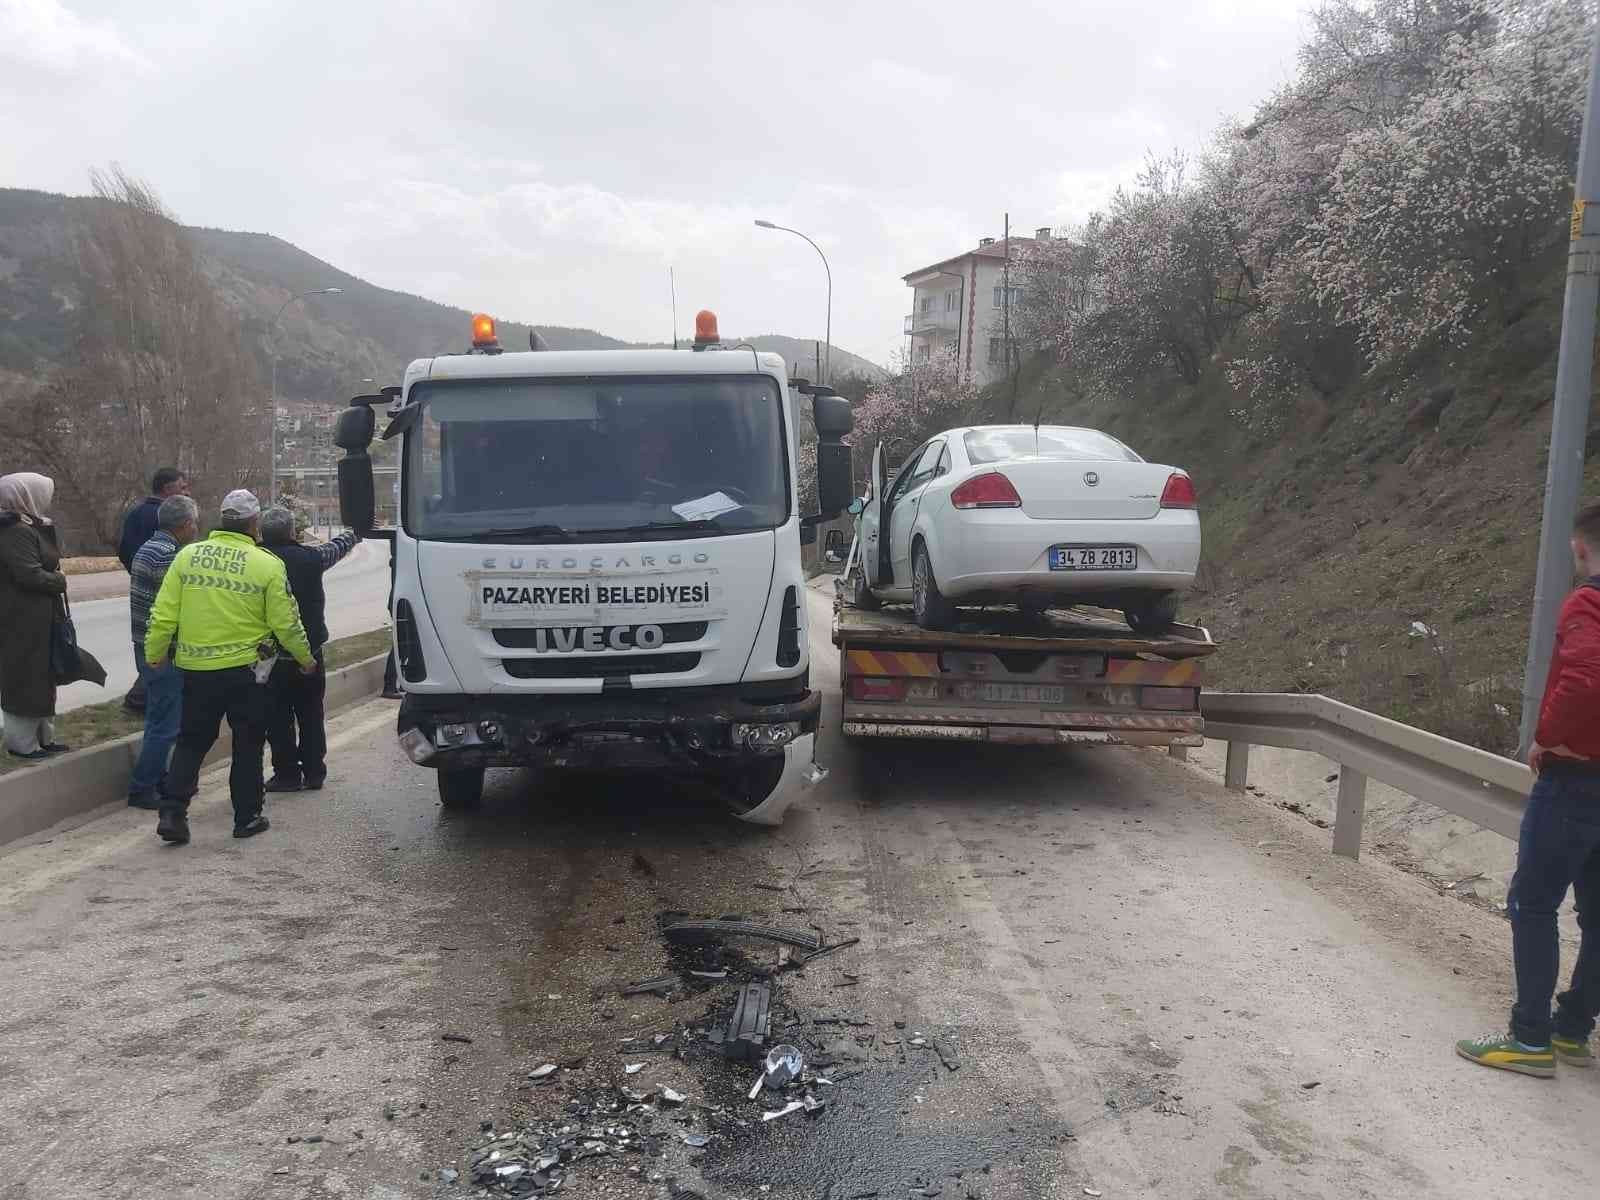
{"type": "Point", "coordinates": [933, 611]}
{"type": "Point", "coordinates": [860, 594]}
{"type": "Point", "coordinates": [1153, 615]}
{"type": "Point", "coordinates": [461, 788]}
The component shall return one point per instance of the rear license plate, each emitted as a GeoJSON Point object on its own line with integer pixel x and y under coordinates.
{"type": "Point", "coordinates": [1011, 693]}
{"type": "Point", "coordinates": [1094, 558]}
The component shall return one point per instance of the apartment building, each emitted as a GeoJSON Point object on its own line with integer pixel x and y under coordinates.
{"type": "Point", "coordinates": [959, 304]}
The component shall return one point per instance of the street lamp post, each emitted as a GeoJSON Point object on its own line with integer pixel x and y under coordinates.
{"type": "Point", "coordinates": [827, 369]}
{"type": "Point", "coordinates": [272, 333]}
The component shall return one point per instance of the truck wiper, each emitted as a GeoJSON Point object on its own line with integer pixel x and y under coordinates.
{"type": "Point", "coordinates": [559, 533]}
{"type": "Point", "coordinates": [656, 527]}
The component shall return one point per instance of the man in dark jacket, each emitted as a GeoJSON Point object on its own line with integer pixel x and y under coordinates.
{"type": "Point", "coordinates": [138, 527]}
{"type": "Point", "coordinates": [295, 698]}
{"type": "Point", "coordinates": [1559, 846]}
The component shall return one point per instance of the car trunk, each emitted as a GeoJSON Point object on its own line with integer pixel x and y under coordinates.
{"type": "Point", "coordinates": [1059, 489]}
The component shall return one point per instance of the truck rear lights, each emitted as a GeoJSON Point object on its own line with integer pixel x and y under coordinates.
{"type": "Point", "coordinates": [877, 687]}
{"type": "Point", "coordinates": [416, 745]}
{"type": "Point", "coordinates": [789, 630]}
{"type": "Point", "coordinates": [1179, 492]}
{"type": "Point", "coordinates": [766, 738]}
{"type": "Point", "coordinates": [412, 668]}
{"type": "Point", "coordinates": [989, 490]}
{"type": "Point", "coordinates": [1175, 699]}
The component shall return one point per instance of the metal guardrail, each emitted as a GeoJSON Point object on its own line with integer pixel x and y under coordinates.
{"type": "Point", "coordinates": [1485, 788]}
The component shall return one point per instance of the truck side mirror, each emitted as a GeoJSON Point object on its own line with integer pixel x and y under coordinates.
{"type": "Point", "coordinates": [357, 494]}
{"type": "Point", "coordinates": [834, 484]}
{"type": "Point", "coordinates": [833, 417]}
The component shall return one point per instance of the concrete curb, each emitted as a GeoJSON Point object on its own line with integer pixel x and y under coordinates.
{"type": "Point", "coordinates": [36, 798]}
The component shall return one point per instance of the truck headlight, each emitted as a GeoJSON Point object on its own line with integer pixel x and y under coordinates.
{"type": "Point", "coordinates": [416, 745]}
{"type": "Point", "coordinates": [766, 738]}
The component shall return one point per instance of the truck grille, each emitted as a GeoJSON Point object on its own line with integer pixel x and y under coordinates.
{"type": "Point", "coordinates": [600, 666]}
{"type": "Point", "coordinates": [675, 634]}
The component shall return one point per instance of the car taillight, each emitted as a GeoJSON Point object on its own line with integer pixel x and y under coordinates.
{"type": "Point", "coordinates": [1179, 493]}
{"type": "Point", "coordinates": [1173, 699]}
{"type": "Point", "coordinates": [989, 490]}
{"type": "Point", "coordinates": [877, 687]}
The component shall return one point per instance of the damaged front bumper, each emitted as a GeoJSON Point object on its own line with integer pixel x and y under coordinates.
{"type": "Point", "coordinates": [755, 739]}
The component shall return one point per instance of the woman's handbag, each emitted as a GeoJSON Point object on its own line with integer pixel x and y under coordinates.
{"type": "Point", "coordinates": [70, 662]}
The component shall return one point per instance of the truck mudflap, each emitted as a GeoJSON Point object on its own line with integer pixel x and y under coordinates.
{"type": "Point", "coordinates": [800, 774]}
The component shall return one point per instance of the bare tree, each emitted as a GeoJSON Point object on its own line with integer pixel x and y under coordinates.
{"type": "Point", "coordinates": [160, 374]}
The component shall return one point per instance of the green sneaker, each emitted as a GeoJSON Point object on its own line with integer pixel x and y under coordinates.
{"type": "Point", "coordinates": [1573, 1052]}
{"type": "Point", "coordinates": [1505, 1053]}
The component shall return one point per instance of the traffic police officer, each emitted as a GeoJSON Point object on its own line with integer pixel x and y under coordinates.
{"type": "Point", "coordinates": [227, 600]}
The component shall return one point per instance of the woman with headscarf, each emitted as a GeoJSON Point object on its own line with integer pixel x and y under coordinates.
{"type": "Point", "coordinates": [31, 584]}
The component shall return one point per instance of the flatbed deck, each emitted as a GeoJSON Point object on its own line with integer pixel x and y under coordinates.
{"type": "Point", "coordinates": [1007, 629]}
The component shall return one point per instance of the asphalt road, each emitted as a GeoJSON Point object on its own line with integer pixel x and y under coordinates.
{"type": "Point", "coordinates": [358, 595]}
{"type": "Point", "coordinates": [1136, 975]}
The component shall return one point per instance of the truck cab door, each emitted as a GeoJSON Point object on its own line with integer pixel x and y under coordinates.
{"type": "Point", "coordinates": [872, 520]}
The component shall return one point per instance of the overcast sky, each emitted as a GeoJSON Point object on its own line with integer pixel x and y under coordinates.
{"type": "Point", "coordinates": [548, 162]}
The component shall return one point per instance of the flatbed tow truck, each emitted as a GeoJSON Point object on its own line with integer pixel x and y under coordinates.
{"type": "Point", "coordinates": [1070, 677]}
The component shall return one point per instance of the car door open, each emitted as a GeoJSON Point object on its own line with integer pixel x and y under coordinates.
{"type": "Point", "coordinates": [872, 520]}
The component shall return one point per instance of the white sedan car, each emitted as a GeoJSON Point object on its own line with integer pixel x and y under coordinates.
{"type": "Point", "coordinates": [1040, 518]}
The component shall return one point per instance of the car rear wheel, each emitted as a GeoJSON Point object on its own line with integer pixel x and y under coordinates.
{"type": "Point", "coordinates": [1153, 615]}
{"type": "Point", "coordinates": [932, 610]}
{"type": "Point", "coordinates": [460, 788]}
{"type": "Point", "coordinates": [860, 594]}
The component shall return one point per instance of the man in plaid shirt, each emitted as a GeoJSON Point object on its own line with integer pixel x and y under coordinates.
{"type": "Point", "coordinates": [177, 524]}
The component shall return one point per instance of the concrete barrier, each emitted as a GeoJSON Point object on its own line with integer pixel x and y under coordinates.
{"type": "Point", "coordinates": [35, 798]}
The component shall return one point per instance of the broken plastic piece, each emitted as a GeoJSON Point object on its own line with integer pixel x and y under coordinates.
{"type": "Point", "coordinates": [693, 932]}
{"type": "Point", "coordinates": [661, 986]}
{"type": "Point", "coordinates": [813, 1105]}
{"type": "Point", "coordinates": [696, 1139]}
{"type": "Point", "coordinates": [815, 773]}
{"type": "Point", "coordinates": [750, 1025]}
{"type": "Point", "coordinates": [632, 1068]}
{"type": "Point", "coordinates": [792, 1107]}
{"type": "Point", "coordinates": [784, 1064]}
{"type": "Point", "coordinates": [542, 1072]}
{"type": "Point", "coordinates": [671, 1097]}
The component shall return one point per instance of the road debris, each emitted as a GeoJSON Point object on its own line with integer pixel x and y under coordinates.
{"type": "Point", "coordinates": [543, 1072]}
{"type": "Point", "coordinates": [1315, 1083]}
{"type": "Point", "coordinates": [1089, 1191]}
{"type": "Point", "coordinates": [793, 1106]}
{"type": "Point", "coordinates": [540, 1158]}
{"type": "Point", "coordinates": [829, 949]}
{"type": "Point", "coordinates": [668, 1096]}
{"type": "Point", "coordinates": [661, 985]}
{"type": "Point", "coordinates": [784, 1065]}
{"type": "Point", "coordinates": [694, 932]}
{"type": "Point", "coordinates": [632, 1068]}
{"type": "Point", "coordinates": [750, 1025]}
{"type": "Point", "coordinates": [696, 1140]}
{"type": "Point", "coordinates": [455, 1037]}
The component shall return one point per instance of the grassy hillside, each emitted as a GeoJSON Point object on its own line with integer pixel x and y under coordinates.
{"type": "Point", "coordinates": [326, 345]}
{"type": "Point", "coordinates": [1393, 502]}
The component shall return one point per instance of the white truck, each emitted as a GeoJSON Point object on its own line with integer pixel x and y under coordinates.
{"type": "Point", "coordinates": [597, 562]}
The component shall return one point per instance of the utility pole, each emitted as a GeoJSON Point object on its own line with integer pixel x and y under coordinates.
{"type": "Point", "coordinates": [1005, 273]}
{"type": "Point", "coordinates": [1570, 422]}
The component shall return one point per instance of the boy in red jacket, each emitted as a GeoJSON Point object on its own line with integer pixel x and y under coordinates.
{"type": "Point", "coordinates": [1559, 845]}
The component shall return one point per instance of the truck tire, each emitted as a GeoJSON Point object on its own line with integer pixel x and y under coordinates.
{"type": "Point", "coordinates": [932, 610]}
{"type": "Point", "coordinates": [860, 594]}
{"type": "Point", "coordinates": [1155, 614]}
{"type": "Point", "coordinates": [461, 788]}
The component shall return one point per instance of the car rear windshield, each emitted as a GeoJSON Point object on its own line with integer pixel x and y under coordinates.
{"type": "Point", "coordinates": [1051, 441]}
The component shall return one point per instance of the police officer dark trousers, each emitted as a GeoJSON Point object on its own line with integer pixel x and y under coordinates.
{"type": "Point", "coordinates": [223, 599]}
{"type": "Point", "coordinates": [295, 722]}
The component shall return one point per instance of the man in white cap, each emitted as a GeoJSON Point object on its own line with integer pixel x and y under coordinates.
{"type": "Point", "coordinates": [227, 602]}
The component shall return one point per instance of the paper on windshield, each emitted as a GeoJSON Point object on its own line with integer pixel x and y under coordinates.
{"type": "Point", "coordinates": [706, 507]}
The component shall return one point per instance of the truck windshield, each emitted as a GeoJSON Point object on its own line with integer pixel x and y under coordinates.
{"type": "Point", "coordinates": [632, 458]}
